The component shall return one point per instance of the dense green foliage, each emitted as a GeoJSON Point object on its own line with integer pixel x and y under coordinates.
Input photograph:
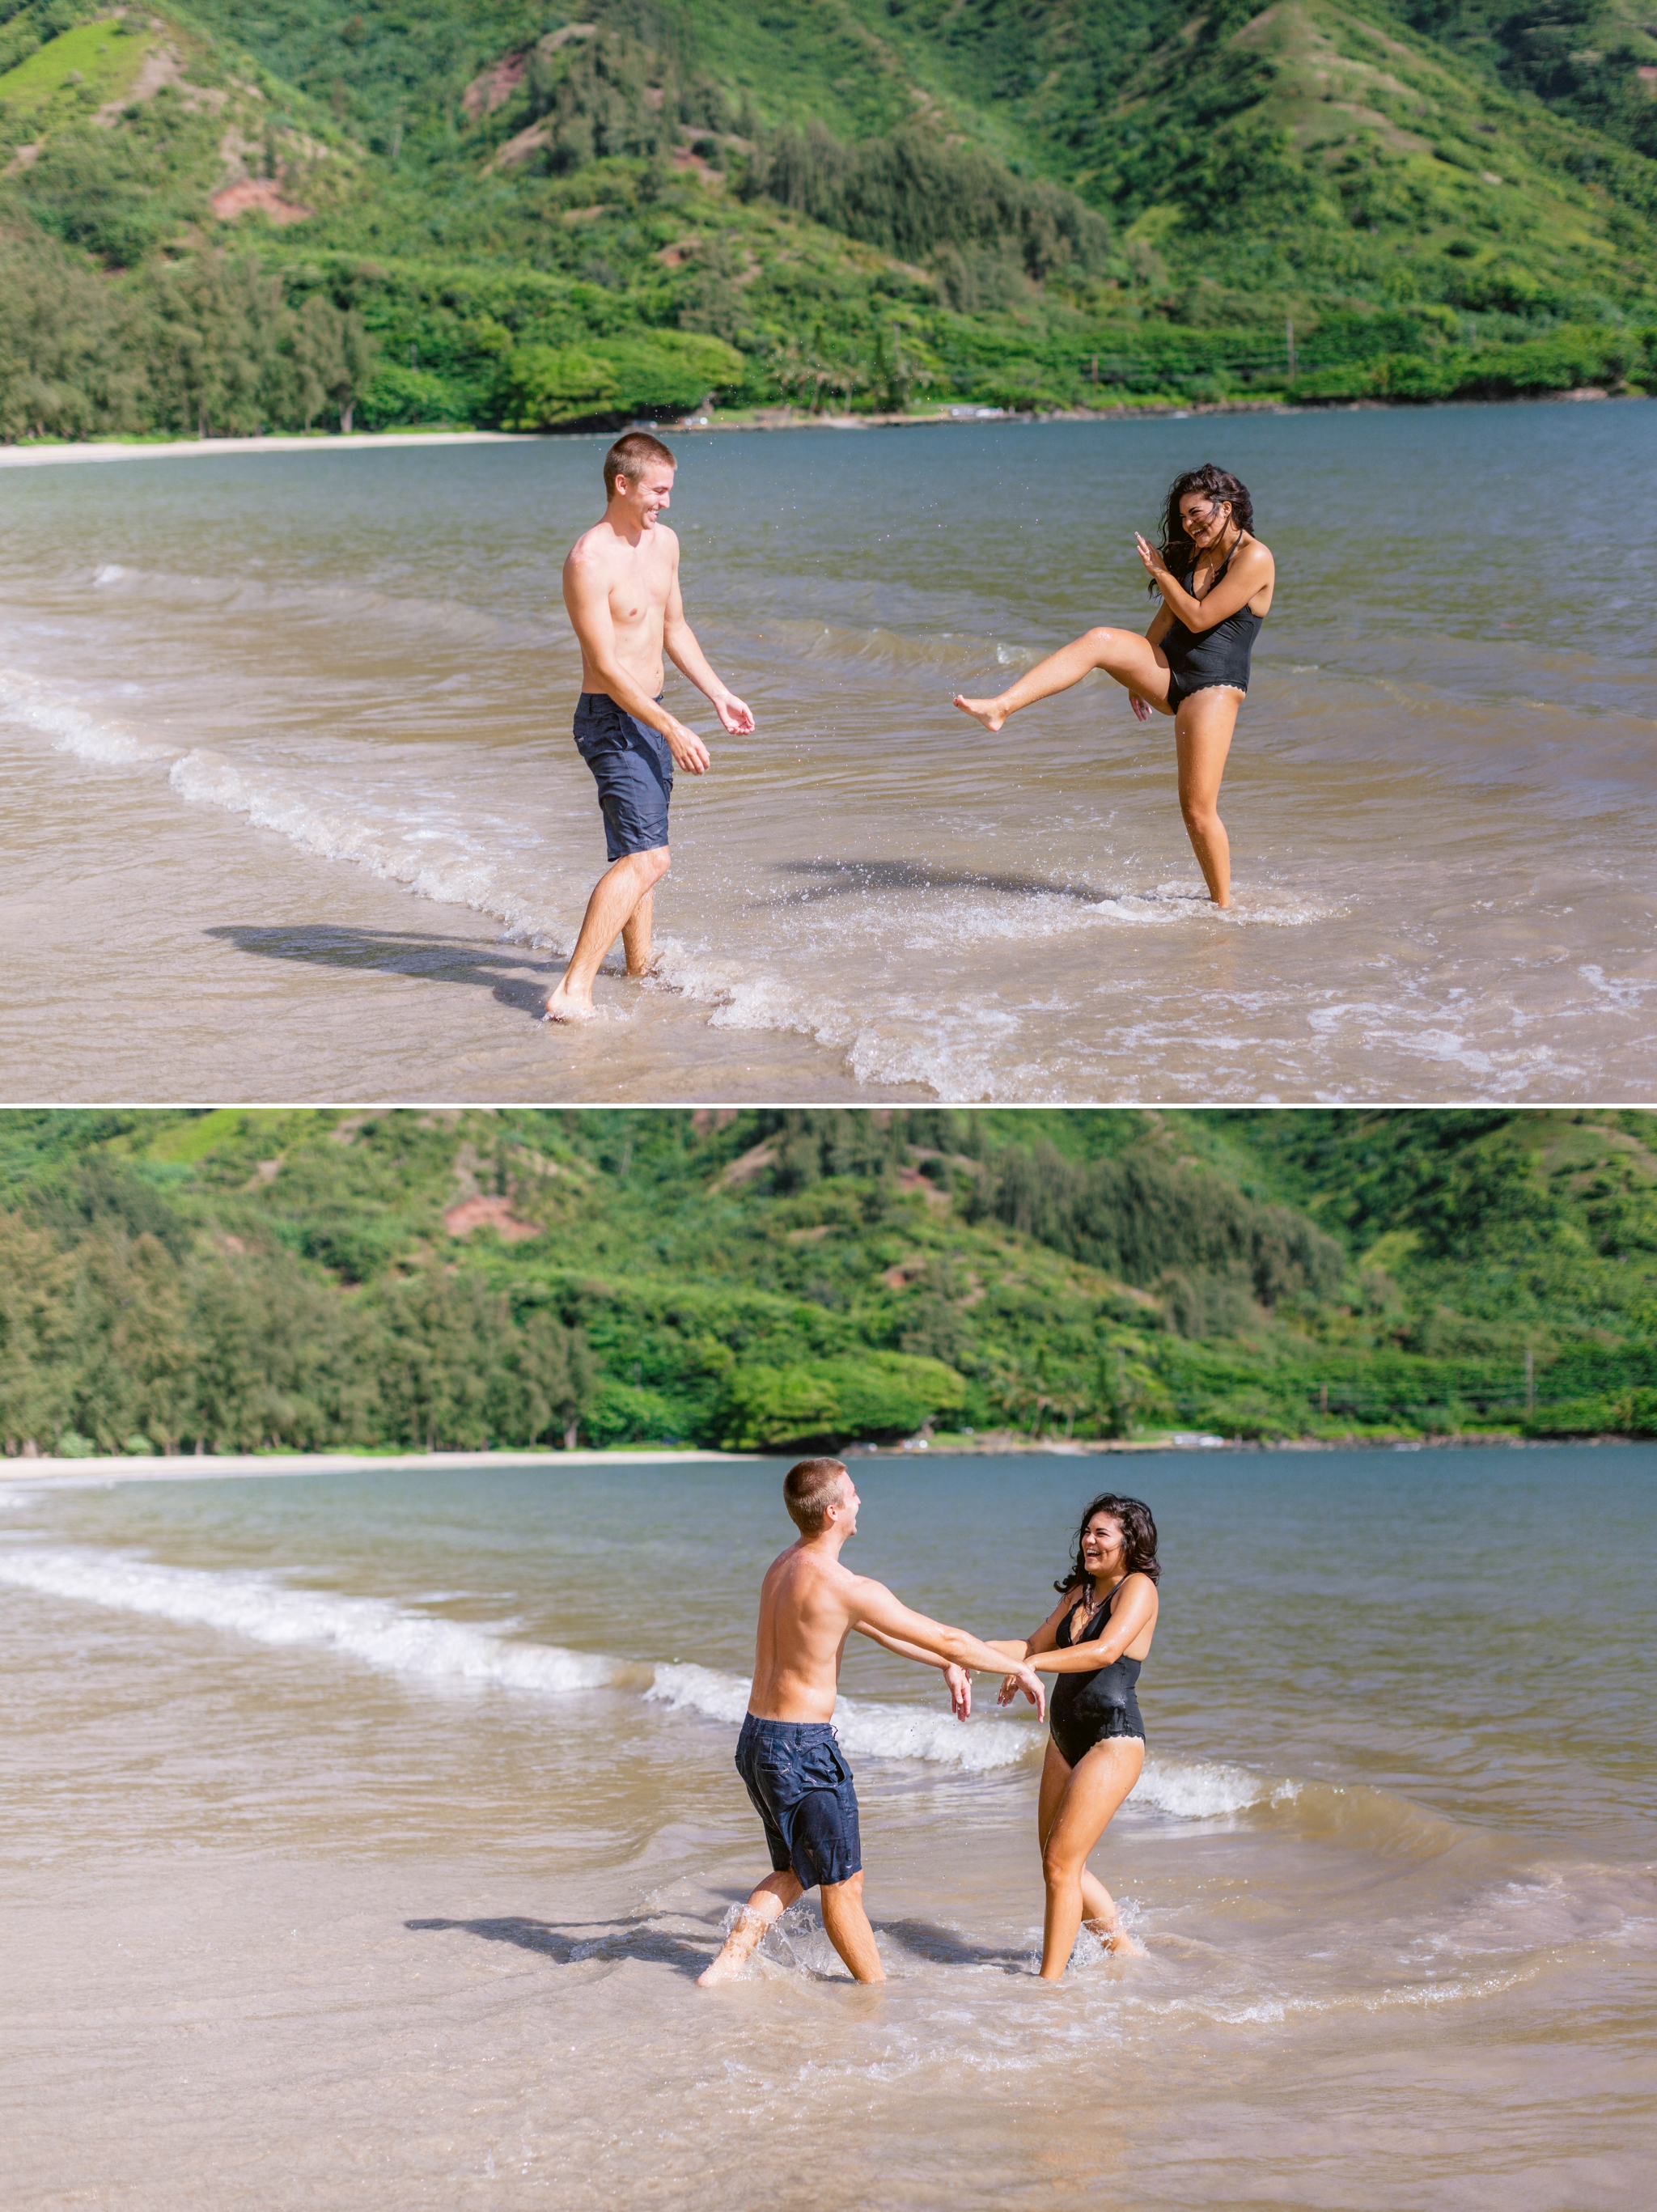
{"type": "Point", "coordinates": [264, 1279]}
{"type": "Point", "coordinates": [1584, 57]}
{"type": "Point", "coordinates": [497, 213]}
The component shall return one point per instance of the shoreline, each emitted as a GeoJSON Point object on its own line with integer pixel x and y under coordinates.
{"type": "Point", "coordinates": [762, 419]}
{"type": "Point", "coordinates": [328, 442]}
{"type": "Point", "coordinates": [216, 1467]}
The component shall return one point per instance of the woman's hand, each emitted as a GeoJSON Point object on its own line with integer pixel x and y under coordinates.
{"type": "Point", "coordinates": [960, 1684]}
{"type": "Point", "coordinates": [1009, 1689]}
{"type": "Point", "coordinates": [1150, 557]}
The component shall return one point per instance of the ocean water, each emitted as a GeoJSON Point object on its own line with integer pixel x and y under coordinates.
{"type": "Point", "coordinates": [291, 807]}
{"type": "Point", "coordinates": [361, 1837]}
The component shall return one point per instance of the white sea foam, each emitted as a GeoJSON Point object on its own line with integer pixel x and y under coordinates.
{"type": "Point", "coordinates": [39, 706]}
{"type": "Point", "coordinates": [398, 1640]}
{"type": "Point", "coordinates": [435, 858]}
{"type": "Point", "coordinates": [1204, 1789]}
{"type": "Point", "coordinates": [867, 1730]}
{"type": "Point", "coordinates": [380, 1634]}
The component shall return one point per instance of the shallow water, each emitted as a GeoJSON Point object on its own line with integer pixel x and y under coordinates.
{"type": "Point", "coordinates": [363, 1837]}
{"type": "Point", "coordinates": [249, 704]}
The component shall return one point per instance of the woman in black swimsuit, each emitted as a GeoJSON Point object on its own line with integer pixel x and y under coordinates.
{"type": "Point", "coordinates": [1093, 1640]}
{"type": "Point", "coordinates": [1215, 580]}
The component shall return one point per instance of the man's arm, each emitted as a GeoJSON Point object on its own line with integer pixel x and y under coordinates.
{"type": "Point", "coordinates": [872, 1604]}
{"type": "Point", "coordinates": [679, 641]}
{"type": "Point", "coordinates": [586, 597]}
{"type": "Point", "coordinates": [961, 1688]}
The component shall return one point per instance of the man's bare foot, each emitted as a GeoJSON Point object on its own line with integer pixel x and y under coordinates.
{"type": "Point", "coordinates": [724, 1968]}
{"type": "Point", "coordinates": [990, 712]}
{"type": "Point", "coordinates": [744, 1937]}
{"type": "Point", "coordinates": [561, 1007]}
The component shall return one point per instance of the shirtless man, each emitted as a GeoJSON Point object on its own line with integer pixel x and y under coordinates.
{"type": "Point", "coordinates": [621, 588]}
{"type": "Point", "coordinates": [787, 1753]}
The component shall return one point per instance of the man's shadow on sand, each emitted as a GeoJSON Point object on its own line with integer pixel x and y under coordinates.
{"type": "Point", "coordinates": [636, 1938]}
{"type": "Point", "coordinates": [405, 953]}
{"type": "Point", "coordinates": [847, 879]}
{"type": "Point", "coordinates": [640, 1937]}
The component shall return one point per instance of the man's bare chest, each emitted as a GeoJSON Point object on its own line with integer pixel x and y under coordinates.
{"type": "Point", "coordinates": [638, 597]}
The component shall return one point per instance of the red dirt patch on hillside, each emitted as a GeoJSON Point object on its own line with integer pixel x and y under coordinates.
{"type": "Point", "coordinates": [494, 1213]}
{"type": "Point", "coordinates": [261, 193]}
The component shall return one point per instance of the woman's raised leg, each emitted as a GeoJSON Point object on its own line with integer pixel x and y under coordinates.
{"type": "Point", "coordinates": [1202, 738]}
{"type": "Point", "coordinates": [1123, 653]}
{"type": "Point", "coordinates": [1097, 1785]}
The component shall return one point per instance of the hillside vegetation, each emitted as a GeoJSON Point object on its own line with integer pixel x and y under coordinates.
{"type": "Point", "coordinates": [496, 212]}
{"type": "Point", "coordinates": [250, 1280]}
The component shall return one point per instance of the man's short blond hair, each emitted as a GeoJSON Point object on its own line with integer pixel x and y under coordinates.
{"type": "Point", "coordinates": [808, 1491]}
{"type": "Point", "coordinates": [631, 456]}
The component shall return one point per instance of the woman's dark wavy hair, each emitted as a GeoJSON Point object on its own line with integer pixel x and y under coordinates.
{"type": "Point", "coordinates": [1138, 1538]}
{"type": "Point", "coordinates": [1178, 553]}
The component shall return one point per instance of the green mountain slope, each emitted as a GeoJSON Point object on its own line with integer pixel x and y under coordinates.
{"type": "Point", "coordinates": [508, 213]}
{"type": "Point", "coordinates": [240, 1279]}
{"type": "Point", "coordinates": [1595, 60]}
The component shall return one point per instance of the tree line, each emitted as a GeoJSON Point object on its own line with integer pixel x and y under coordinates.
{"type": "Point", "coordinates": [207, 346]}
{"type": "Point", "coordinates": [267, 1280]}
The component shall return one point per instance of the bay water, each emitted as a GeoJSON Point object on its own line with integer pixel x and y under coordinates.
{"type": "Point", "coordinates": [291, 807]}
{"type": "Point", "coordinates": [361, 1837]}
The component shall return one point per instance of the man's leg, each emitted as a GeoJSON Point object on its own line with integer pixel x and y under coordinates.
{"type": "Point", "coordinates": [635, 935]}
{"type": "Point", "coordinates": [847, 1925]}
{"type": "Point", "coordinates": [614, 901]}
{"type": "Point", "coordinates": [767, 1904]}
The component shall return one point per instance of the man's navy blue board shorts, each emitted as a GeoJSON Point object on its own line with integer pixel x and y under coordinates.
{"type": "Point", "coordinates": [633, 768]}
{"type": "Point", "coordinates": [802, 1789]}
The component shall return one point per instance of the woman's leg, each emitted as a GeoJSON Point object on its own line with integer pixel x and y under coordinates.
{"type": "Point", "coordinates": [1122, 654]}
{"type": "Point", "coordinates": [1098, 1906]}
{"type": "Point", "coordinates": [1097, 1785]}
{"type": "Point", "coordinates": [1202, 738]}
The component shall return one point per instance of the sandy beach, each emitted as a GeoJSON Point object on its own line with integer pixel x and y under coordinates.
{"type": "Point", "coordinates": [217, 1467]}
{"type": "Point", "coordinates": [173, 449]}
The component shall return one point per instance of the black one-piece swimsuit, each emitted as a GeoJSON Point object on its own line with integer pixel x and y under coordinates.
{"type": "Point", "coordinates": [1210, 660]}
{"type": "Point", "coordinates": [1088, 1709]}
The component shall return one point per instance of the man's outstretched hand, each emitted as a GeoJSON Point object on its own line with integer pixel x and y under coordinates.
{"type": "Point", "coordinates": [734, 715]}
{"type": "Point", "coordinates": [1027, 1680]}
{"type": "Point", "coordinates": [960, 1684]}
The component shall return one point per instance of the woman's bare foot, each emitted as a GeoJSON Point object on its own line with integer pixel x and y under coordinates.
{"type": "Point", "coordinates": [990, 712]}
{"type": "Point", "coordinates": [1117, 1942]}
{"type": "Point", "coordinates": [561, 1007]}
